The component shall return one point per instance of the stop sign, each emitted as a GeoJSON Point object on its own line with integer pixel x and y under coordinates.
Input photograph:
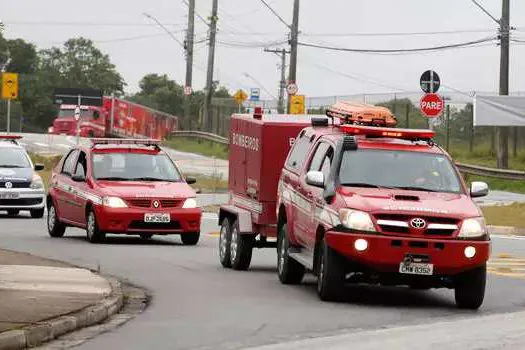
{"type": "Point", "coordinates": [431, 105]}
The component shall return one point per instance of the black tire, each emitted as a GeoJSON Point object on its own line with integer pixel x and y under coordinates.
{"type": "Point", "coordinates": [37, 213]}
{"type": "Point", "coordinates": [55, 228]}
{"type": "Point", "coordinates": [146, 236]}
{"type": "Point", "coordinates": [331, 274]}
{"type": "Point", "coordinates": [93, 233]}
{"type": "Point", "coordinates": [288, 270]}
{"type": "Point", "coordinates": [470, 288]}
{"type": "Point", "coordinates": [190, 238]}
{"type": "Point", "coordinates": [225, 238]}
{"type": "Point", "coordinates": [241, 247]}
{"type": "Point", "coordinates": [13, 212]}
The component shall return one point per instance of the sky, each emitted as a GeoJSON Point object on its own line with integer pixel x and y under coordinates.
{"type": "Point", "coordinates": [137, 46]}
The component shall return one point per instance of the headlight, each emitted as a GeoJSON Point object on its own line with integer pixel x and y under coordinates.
{"type": "Point", "coordinates": [190, 203]}
{"type": "Point", "coordinates": [113, 202]}
{"type": "Point", "coordinates": [356, 220]}
{"type": "Point", "coordinates": [472, 228]}
{"type": "Point", "coordinates": [36, 183]}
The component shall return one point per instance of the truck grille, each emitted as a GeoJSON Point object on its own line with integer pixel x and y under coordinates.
{"type": "Point", "coordinates": [21, 202]}
{"type": "Point", "coordinates": [23, 184]}
{"type": "Point", "coordinates": [400, 224]}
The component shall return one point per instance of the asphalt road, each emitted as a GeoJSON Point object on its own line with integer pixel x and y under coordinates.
{"type": "Point", "coordinates": [198, 305]}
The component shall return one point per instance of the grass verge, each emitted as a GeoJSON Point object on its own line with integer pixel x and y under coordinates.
{"type": "Point", "coordinates": [208, 184]}
{"type": "Point", "coordinates": [203, 147]}
{"type": "Point", "coordinates": [508, 215]}
{"type": "Point", "coordinates": [515, 186]}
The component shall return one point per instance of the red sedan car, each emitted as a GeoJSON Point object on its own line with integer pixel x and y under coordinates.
{"type": "Point", "coordinates": [123, 187]}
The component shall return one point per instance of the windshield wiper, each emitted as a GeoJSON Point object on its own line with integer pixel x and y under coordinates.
{"type": "Point", "coordinates": [415, 188]}
{"type": "Point", "coordinates": [11, 166]}
{"type": "Point", "coordinates": [113, 178]}
{"type": "Point", "coordinates": [146, 178]}
{"type": "Point", "coordinates": [361, 184]}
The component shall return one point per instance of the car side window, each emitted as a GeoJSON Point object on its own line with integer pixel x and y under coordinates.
{"type": "Point", "coordinates": [319, 155]}
{"type": "Point", "coordinates": [81, 165]}
{"type": "Point", "coordinates": [327, 162]}
{"type": "Point", "coordinates": [299, 152]}
{"type": "Point", "coordinates": [69, 163]}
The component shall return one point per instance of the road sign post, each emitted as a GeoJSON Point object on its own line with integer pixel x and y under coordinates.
{"type": "Point", "coordinates": [9, 92]}
{"type": "Point", "coordinates": [297, 104]}
{"type": "Point", "coordinates": [431, 105]}
{"type": "Point", "coordinates": [430, 82]}
{"type": "Point", "coordinates": [240, 96]}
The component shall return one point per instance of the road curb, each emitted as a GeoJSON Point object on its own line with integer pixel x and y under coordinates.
{"type": "Point", "coordinates": [41, 332]}
{"type": "Point", "coordinates": [506, 230]}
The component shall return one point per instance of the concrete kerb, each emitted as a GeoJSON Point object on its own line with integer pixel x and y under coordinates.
{"type": "Point", "coordinates": [41, 332]}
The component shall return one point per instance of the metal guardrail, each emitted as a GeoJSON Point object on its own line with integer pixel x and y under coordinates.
{"type": "Point", "coordinates": [202, 135]}
{"type": "Point", "coordinates": [464, 168]}
{"type": "Point", "coordinates": [491, 172]}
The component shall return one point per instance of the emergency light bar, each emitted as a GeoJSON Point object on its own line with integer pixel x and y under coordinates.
{"type": "Point", "coordinates": [109, 141]}
{"type": "Point", "coordinates": [10, 138]}
{"type": "Point", "coordinates": [373, 131]}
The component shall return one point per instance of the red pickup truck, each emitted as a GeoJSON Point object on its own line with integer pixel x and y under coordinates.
{"type": "Point", "coordinates": [353, 201]}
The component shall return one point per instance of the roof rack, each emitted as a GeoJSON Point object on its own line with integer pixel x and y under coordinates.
{"type": "Point", "coordinates": [139, 142]}
{"type": "Point", "coordinates": [361, 114]}
{"type": "Point", "coordinates": [11, 138]}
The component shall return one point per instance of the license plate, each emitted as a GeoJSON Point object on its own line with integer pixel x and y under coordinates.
{"type": "Point", "coordinates": [416, 269]}
{"type": "Point", "coordinates": [157, 218]}
{"type": "Point", "coordinates": [9, 195]}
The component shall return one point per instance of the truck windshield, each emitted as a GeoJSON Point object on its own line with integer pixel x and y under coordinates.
{"type": "Point", "coordinates": [399, 169]}
{"type": "Point", "coordinates": [134, 167]}
{"type": "Point", "coordinates": [70, 113]}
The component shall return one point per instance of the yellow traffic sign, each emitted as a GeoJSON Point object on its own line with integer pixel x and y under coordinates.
{"type": "Point", "coordinates": [297, 104]}
{"type": "Point", "coordinates": [240, 96]}
{"type": "Point", "coordinates": [9, 86]}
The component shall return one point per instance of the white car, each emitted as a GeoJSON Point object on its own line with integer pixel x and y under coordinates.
{"type": "Point", "coordinates": [20, 187]}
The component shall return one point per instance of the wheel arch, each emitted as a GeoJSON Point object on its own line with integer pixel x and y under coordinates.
{"type": "Point", "coordinates": [242, 216]}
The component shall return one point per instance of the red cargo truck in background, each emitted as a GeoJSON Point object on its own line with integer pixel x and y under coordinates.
{"type": "Point", "coordinates": [115, 118]}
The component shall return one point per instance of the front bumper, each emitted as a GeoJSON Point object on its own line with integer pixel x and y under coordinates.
{"type": "Point", "coordinates": [27, 199]}
{"type": "Point", "coordinates": [385, 253]}
{"type": "Point", "coordinates": [131, 220]}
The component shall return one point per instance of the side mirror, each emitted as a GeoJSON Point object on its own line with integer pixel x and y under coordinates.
{"type": "Point", "coordinates": [79, 178]}
{"type": "Point", "coordinates": [190, 180]}
{"type": "Point", "coordinates": [478, 189]}
{"type": "Point", "coordinates": [39, 167]}
{"type": "Point", "coordinates": [315, 178]}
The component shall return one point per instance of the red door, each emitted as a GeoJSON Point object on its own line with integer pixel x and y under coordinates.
{"type": "Point", "coordinates": [64, 188]}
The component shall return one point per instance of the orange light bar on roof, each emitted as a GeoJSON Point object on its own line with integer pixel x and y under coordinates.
{"type": "Point", "coordinates": [109, 141]}
{"type": "Point", "coordinates": [406, 134]}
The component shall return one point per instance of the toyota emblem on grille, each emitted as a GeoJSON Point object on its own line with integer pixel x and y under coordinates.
{"type": "Point", "coordinates": [418, 223]}
{"type": "Point", "coordinates": [156, 204]}
{"type": "Point", "coordinates": [8, 185]}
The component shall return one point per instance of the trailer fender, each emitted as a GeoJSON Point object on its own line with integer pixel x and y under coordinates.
{"type": "Point", "coordinates": [243, 217]}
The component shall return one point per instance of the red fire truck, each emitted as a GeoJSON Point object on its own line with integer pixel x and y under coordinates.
{"type": "Point", "coordinates": [353, 201]}
{"type": "Point", "coordinates": [115, 118]}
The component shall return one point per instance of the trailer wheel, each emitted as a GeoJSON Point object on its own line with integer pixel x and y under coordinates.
{"type": "Point", "coordinates": [225, 239]}
{"type": "Point", "coordinates": [240, 248]}
{"type": "Point", "coordinates": [470, 288]}
{"type": "Point", "coordinates": [288, 270]}
{"type": "Point", "coordinates": [331, 276]}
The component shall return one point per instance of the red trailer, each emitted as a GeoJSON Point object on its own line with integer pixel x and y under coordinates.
{"type": "Point", "coordinates": [115, 118]}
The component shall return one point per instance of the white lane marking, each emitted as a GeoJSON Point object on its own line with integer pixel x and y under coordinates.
{"type": "Point", "coordinates": [517, 238]}
{"type": "Point", "coordinates": [41, 144]}
{"type": "Point", "coordinates": [210, 216]}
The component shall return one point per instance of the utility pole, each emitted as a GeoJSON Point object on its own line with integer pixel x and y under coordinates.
{"type": "Point", "coordinates": [502, 132]}
{"type": "Point", "coordinates": [189, 62]}
{"type": "Point", "coordinates": [211, 59]}
{"type": "Point", "coordinates": [294, 40]}
{"type": "Point", "coordinates": [282, 84]}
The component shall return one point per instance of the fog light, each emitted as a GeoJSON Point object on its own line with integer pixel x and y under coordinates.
{"type": "Point", "coordinates": [470, 252]}
{"type": "Point", "coordinates": [361, 245]}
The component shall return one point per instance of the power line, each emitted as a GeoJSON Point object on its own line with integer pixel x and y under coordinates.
{"type": "Point", "coordinates": [276, 14]}
{"type": "Point", "coordinates": [389, 51]}
{"type": "Point", "coordinates": [165, 29]}
{"type": "Point", "coordinates": [251, 45]}
{"type": "Point", "coordinates": [518, 41]}
{"type": "Point", "coordinates": [91, 24]}
{"type": "Point", "coordinates": [486, 12]}
{"type": "Point", "coordinates": [462, 31]}
{"type": "Point", "coordinates": [197, 14]}
{"type": "Point", "coordinates": [132, 38]}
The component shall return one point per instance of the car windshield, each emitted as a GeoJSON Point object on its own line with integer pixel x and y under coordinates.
{"type": "Point", "coordinates": [13, 158]}
{"type": "Point", "coordinates": [134, 167]}
{"type": "Point", "coordinates": [70, 113]}
{"type": "Point", "coordinates": [399, 169]}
